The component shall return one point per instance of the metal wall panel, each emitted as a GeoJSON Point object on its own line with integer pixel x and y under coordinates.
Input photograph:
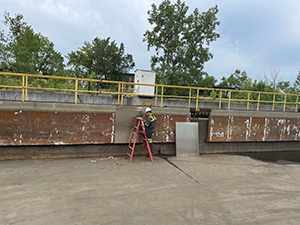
{"type": "Point", "coordinates": [240, 129]}
{"type": "Point", "coordinates": [187, 139]}
{"type": "Point", "coordinates": [39, 128]}
{"type": "Point", "coordinates": [125, 119]}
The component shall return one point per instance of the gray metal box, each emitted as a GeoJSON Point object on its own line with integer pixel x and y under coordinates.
{"type": "Point", "coordinates": [187, 139]}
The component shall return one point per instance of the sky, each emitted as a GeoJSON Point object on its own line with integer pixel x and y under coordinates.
{"type": "Point", "coordinates": [257, 36]}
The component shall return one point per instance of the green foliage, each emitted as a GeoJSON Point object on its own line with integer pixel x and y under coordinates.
{"type": "Point", "coordinates": [181, 42]}
{"type": "Point", "coordinates": [235, 80]}
{"type": "Point", "coordinates": [213, 94]}
{"type": "Point", "coordinates": [101, 59]}
{"type": "Point", "coordinates": [296, 85]}
{"type": "Point", "coordinates": [24, 51]}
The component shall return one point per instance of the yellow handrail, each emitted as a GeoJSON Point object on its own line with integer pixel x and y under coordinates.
{"type": "Point", "coordinates": [122, 89]}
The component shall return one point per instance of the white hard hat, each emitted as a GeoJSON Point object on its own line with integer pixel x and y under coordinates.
{"type": "Point", "coordinates": [148, 109]}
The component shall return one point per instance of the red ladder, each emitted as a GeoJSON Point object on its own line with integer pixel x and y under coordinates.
{"type": "Point", "coordinates": [138, 127]}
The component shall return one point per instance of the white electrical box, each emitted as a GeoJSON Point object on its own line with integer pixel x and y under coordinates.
{"type": "Point", "coordinates": [144, 77]}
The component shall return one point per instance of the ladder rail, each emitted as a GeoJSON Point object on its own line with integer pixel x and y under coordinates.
{"type": "Point", "coordinates": [139, 127]}
{"type": "Point", "coordinates": [146, 142]}
{"type": "Point", "coordinates": [134, 133]}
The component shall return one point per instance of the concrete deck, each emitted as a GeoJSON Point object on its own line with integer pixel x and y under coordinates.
{"type": "Point", "coordinates": [211, 189]}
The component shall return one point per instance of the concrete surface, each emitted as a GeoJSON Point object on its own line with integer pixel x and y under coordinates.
{"type": "Point", "coordinates": [211, 189]}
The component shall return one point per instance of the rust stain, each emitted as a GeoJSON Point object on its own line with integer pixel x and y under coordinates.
{"type": "Point", "coordinates": [240, 129]}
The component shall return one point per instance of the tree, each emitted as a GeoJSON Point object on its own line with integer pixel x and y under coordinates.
{"type": "Point", "coordinates": [25, 51]}
{"type": "Point", "coordinates": [296, 85]}
{"type": "Point", "coordinates": [273, 78]}
{"type": "Point", "coordinates": [101, 59]}
{"type": "Point", "coordinates": [285, 87]}
{"type": "Point", "coordinates": [235, 80]}
{"type": "Point", "coordinates": [181, 42]}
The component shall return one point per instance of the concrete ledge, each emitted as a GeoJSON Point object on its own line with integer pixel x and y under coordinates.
{"type": "Point", "coordinates": [259, 114]}
{"type": "Point", "coordinates": [78, 151]}
{"type": "Point", "coordinates": [55, 107]}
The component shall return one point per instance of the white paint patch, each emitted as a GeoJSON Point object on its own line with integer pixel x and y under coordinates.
{"type": "Point", "coordinates": [219, 134]}
{"type": "Point", "coordinates": [288, 129]}
{"type": "Point", "coordinates": [229, 127]}
{"type": "Point", "coordinates": [112, 128]}
{"type": "Point", "coordinates": [266, 129]}
{"type": "Point", "coordinates": [58, 143]}
{"type": "Point", "coordinates": [248, 128]}
{"type": "Point", "coordinates": [280, 121]}
{"type": "Point", "coordinates": [211, 132]}
{"type": "Point", "coordinates": [283, 129]}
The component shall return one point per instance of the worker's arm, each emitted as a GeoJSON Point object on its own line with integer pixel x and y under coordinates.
{"type": "Point", "coordinates": [148, 121]}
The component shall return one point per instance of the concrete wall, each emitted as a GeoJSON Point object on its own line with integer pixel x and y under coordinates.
{"type": "Point", "coordinates": [135, 101]}
{"type": "Point", "coordinates": [28, 130]}
{"type": "Point", "coordinates": [77, 151]}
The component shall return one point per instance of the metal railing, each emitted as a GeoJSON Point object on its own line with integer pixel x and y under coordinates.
{"type": "Point", "coordinates": [27, 82]}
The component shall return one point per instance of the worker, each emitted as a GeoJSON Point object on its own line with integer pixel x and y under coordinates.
{"type": "Point", "coordinates": [150, 124]}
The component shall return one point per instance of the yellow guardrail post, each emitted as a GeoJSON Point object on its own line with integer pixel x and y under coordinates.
{"type": "Point", "coordinates": [156, 89]}
{"type": "Point", "coordinates": [122, 94]}
{"type": "Point", "coordinates": [23, 86]}
{"type": "Point", "coordinates": [26, 88]}
{"type": "Point", "coordinates": [296, 107]}
{"type": "Point", "coordinates": [284, 103]}
{"type": "Point", "coordinates": [220, 100]}
{"type": "Point", "coordinates": [258, 99]}
{"type": "Point", "coordinates": [229, 99]}
{"type": "Point", "coordinates": [190, 95]}
{"type": "Point", "coordinates": [273, 105]}
{"type": "Point", "coordinates": [248, 102]}
{"type": "Point", "coordinates": [197, 99]}
{"type": "Point", "coordinates": [162, 96]}
{"type": "Point", "coordinates": [76, 90]}
{"type": "Point", "coordinates": [119, 87]}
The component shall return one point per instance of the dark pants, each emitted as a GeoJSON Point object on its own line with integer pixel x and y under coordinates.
{"type": "Point", "coordinates": [149, 134]}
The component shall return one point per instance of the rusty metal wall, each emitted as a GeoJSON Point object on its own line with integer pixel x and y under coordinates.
{"type": "Point", "coordinates": [48, 128]}
{"type": "Point", "coordinates": [59, 124]}
{"type": "Point", "coordinates": [166, 127]}
{"type": "Point", "coordinates": [253, 126]}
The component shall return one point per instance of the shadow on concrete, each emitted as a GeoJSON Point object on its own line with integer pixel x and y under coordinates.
{"type": "Point", "coordinates": [281, 158]}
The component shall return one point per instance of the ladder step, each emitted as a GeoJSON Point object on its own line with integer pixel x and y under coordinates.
{"type": "Point", "coordinates": [130, 147]}
{"type": "Point", "coordinates": [128, 154]}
